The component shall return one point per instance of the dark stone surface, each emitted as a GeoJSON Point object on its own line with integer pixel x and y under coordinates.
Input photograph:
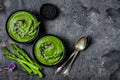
{"type": "Point", "coordinates": [98, 19]}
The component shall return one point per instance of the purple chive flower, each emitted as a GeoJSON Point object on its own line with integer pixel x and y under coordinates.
{"type": "Point", "coordinates": [11, 67]}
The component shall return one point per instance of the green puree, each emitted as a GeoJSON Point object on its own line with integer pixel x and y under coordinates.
{"type": "Point", "coordinates": [22, 26]}
{"type": "Point", "coordinates": [49, 50]}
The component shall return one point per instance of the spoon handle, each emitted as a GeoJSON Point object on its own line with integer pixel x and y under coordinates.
{"type": "Point", "coordinates": [66, 72]}
{"type": "Point", "coordinates": [63, 65]}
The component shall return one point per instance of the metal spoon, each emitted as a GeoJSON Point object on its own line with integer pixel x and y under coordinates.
{"type": "Point", "coordinates": [79, 46]}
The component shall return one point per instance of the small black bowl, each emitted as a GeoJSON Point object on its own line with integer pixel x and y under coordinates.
{"type": "Point", "coordinates": [19, 41]}
{"type": "Point", "coordinates": [49, 11]}
{"type": "Point", "coordinates": [45, 64]}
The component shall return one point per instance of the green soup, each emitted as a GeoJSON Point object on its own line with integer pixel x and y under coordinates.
{"type": "Point", "coordinates": [49, 50]}
{"type": "Point", "coordinates": [22, 26]}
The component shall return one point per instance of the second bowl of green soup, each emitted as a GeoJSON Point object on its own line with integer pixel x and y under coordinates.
{"type": "Point", "coordinates": [49, 50]}
{"type": "Point", "coordinates": [22, 26]}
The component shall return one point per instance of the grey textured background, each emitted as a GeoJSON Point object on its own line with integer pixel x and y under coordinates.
{"type": "Point", "coordinates": [98, 19]}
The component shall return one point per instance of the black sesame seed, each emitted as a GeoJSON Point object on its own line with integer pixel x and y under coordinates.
{"type": "Point", "coordinates": [48, 11]}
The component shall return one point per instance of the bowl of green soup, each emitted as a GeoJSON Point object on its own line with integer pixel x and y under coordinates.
{"type": "Point", "coordinates": [49, 50]}
{"type": "Point", "coordinates": [22, 26]}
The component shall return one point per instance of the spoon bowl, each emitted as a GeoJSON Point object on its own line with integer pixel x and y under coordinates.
{"type": "Point", "coordinates": [81, 43]}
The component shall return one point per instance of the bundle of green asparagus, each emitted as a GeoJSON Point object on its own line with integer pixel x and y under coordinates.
{"type": "Point", "coordinates": [20, 56]}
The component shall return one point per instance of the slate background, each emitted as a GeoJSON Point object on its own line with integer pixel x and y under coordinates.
{"type": "Point", "coordinates": [98, 19]}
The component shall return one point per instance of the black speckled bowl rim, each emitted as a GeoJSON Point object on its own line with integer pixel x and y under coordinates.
{"type": "Point", "coordinates": [16, 40]}
{"type": "Point", "coordinates": [45, 64]}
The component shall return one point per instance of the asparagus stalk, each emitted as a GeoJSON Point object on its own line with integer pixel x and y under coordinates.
{"type": "Point", "coordinates": [24, 63]}
{"type": "Point", "coordinates": [36, 69]}
{"type": "Point", "coordinates": [40, 74]}
{"type": "Point", "coordinates": [12, 56]}
{"type": "Point", "coordinates": [29, 64]}
{"type": "Point", "coordinates": [25, 67]}
{"type": "Point", "coordinates": [20, 56]}
{"type": "Point", "coordinates": [34, 28]}
{"type": "Point", "coordinates": [21, 53]}
{"type": "Point", "coordinates": [8, 54]}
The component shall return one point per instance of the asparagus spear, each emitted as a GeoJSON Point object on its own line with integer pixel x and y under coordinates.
{"type": "Point", "coordinates": [12, 56]}
{"type": "Point", "coordinates": [25, 67]}
{"type": "Point", "coordinates": [36, 70]}
{"type": "Point", "coordinates": [8, 53]}
{"type": "Point", "coordinates": [29, 64]}
{"type": "Point", "coordinates": [21, 52]}
{"type": "Point", "coordinates": [40, 74]}
{"type": "Point", "coordinates": [34, 28]}
{"type": "Point", "coordinates": [20, 56]}
{"type": "Point", "coordinates": [23, 62]}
